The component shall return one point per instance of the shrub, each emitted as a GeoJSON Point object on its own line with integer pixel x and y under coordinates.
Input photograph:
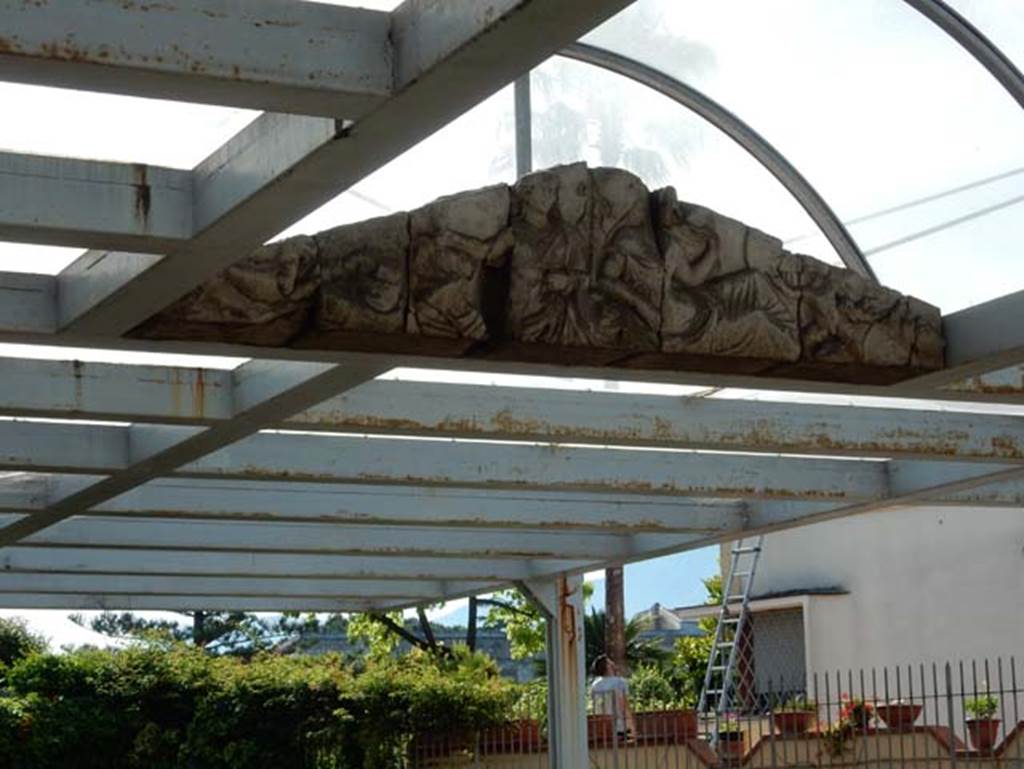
{"type": "Point", "coordinates": [17, 641]}
{"type": "Point", "coordinates": [983, 707]}
{"type": "Point", "coordinates": [180, 708]}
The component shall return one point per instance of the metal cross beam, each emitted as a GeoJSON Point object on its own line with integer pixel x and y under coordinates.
{"type": "Point", "coordinates": [136, 602]}
{"type": "Point", "coordinates": [447, 57]}
{"type": "Point", "coordinates": [155, 561]}
{"type": "Point", "coordinates": [72, 583]}
{"type": "Point", "coordinates": [103, 449]}
{"type": "Point", "coordinates": [367, 540]}
{"type": "Point", "coordinates": [987, 337]}
{"type": "Point", "coordinates": [262, 393]}
{"type": "Point", "coordinates": [64, 201]}
{"type": "Point", "coordinates": [394, 506]}
{"type": "Point", "coordinates": [276, 55]}
{"type": "Point", "coordinates": [69, 390]}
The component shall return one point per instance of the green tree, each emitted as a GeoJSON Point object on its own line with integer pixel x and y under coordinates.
{"type": "Point", "coordinates": [221, 632]}
{"type": "Point", "coordinates": [691, 653]}
{"type": "Point", "coordinates": [513, 612]}
{"type": "Point", "coordinates": [17, 641]}
{"type": "Point", "coordinates": [640, 651]}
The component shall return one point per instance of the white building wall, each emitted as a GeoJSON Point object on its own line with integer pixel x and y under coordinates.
{"type": "Point", "coordinates": [925, 584]}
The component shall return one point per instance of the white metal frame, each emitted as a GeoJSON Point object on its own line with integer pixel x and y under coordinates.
{"type": "Point", "coordinates": [299, 480]}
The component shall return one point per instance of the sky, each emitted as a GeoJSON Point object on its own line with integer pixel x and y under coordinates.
{"type": "Point", "coordinates": [868, 100]}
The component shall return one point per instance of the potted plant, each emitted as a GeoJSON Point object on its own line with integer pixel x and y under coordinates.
{"type": "Point", "coordinates": [854, 717]}
{"type": "Point", "coordinates": [898, 715]}
{"type": "Point", "coordinates": [856, 712]}
{"type": "Point", "coordinates": [731, 741]}
{"type": "Point", "coordinates": [795, 715]}
{"type": "Point", "coordinates": [671, 719]}
{"type": "Point", "coordinates": [982, 725]}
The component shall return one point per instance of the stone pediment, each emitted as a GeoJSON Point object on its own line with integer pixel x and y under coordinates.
{"type": "Point", "coordinates": [569, 265]}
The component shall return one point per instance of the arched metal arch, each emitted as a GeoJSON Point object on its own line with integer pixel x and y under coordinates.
{"type": "Point", "coordinates": [975, 43]}
{"type": "Point", "coordinates": [759, 147]}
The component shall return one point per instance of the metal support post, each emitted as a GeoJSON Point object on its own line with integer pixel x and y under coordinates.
{"type": "Point", "coordinates": [561, 601]}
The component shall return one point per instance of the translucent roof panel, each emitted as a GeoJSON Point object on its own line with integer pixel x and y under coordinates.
{"type": "Point", "coordinates": [475, 150]}
{"type": "Point", "coordinates": [582, 112]}
{"type": "Point", "coordinates": [44, 260]}
{"type": "Point", "coordinates": [99, 126]}
{"type": "Point", "coordinates": [1001, 21]}
{"type": "Point", "coordinates": [877, 107]}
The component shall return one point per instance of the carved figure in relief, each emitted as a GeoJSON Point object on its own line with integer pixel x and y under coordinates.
{"type": "Point", "coordinates": [715, 303]}
{"type": "Point", "coordinates": [455, 243]}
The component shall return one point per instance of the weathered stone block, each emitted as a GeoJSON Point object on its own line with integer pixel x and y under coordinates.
{"type": "Point", "coordinates": [264, 299]}
{"type": "Point", "coordinates": [586, 271]}
{"type": "Point", "coordinates": [363, 271]}
{"type": "Point", "coordinates": [718, 299]}
{"type": "Point", "coordinates": [575, 266]}
{"type": "Point", "coordinates": [459, 245]}
{"type": "Point", "coordinates": [846, 319]}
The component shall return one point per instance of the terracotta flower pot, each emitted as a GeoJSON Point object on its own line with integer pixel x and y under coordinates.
{"type": "Point", "coordinates": [793, 721]}
{"type": "Point", "coordinates": [731, 747]}
{"type": "Point", "coordinates": [899, 717]}
{"type": "Point", "coordinates": [984, 733]}
{"type": "Point", "coordinates": [600, 729]}
{"type": "Point", "coordinates": [667, 724]}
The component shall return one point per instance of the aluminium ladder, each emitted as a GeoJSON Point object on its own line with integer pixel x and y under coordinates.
{"type": "Point", "coordinates": [733, 617]}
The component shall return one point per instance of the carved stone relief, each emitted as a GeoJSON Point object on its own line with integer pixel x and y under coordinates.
{"type": "Point", "coordinates": [570, 264]}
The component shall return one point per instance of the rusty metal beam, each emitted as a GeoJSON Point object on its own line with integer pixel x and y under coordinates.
{"type": "Point", "coordinates": [560, 600]}
{"type": "Point", "coordinates": [447, 58]}
{"type": "Point", "coordinates": [105, 449]}
{"type": "Point", "coordinates": [72, 202]}
{"type": "Point", "coordinates": [204, 397]}
{"type": "Point", "coordinates": [264, 392]}
{"type": "Point", "coordinates": [981, 339]}
{"type": "Point", "coordinates": [137, 602]}
{"type": "Point", "coordinates": [275, 55]}
{"type": "Point", "coordinates": [155, 561]}
{"type": "Point", "coordinates": [116, 532]}
{"type": "Point", "coordinates": [256, 501]}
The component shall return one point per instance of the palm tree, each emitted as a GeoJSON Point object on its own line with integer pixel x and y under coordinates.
{"type": "Point", "coordinates": [639, 650]}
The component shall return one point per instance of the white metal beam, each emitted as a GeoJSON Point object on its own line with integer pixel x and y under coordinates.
{"type": "Point", "coordinates": [36, 446]}
{"type": "Point", "coordinates": [400, 506]}
{"type": "Point", "coordinates": [298, 587]}
{"type": "Point", "coordinates": [263, 392]}
{"type": "Point", "coordinates": [65, 389]}
{"type": "Point", "coordinates": [169, 562]}
{"type": "Point", "coordinates": [71, 202]}
{"type": "Point", "coordinates": [116, 601]}
{"type": "Point", "coordinates": [276, 55]}
{"type": "Point", "coordinates": [28, 316]}
{"type": "Point", "coordinates": [447, 57]}
{"type": "Point", "coordinates": [228, 536]}
{"type": "Point", "coordinates": [980, 339]}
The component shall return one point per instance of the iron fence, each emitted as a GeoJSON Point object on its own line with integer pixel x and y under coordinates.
{"type": "Point", "coordinates": [929, 716]}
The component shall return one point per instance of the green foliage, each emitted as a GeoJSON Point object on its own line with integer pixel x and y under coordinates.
{"type": "Point", "coordinates": [799, 704]}
{"type": "Point", "coordinates": [983, 707]}
{"type": "Point", "coordinates": [177, 707]}
{"type": "Point", "coordinates": [220, 632]}
{"type": "Point", "coordinates": [522, 622]}
{"type": "Point", "coordinates": [639, 650]}
{"type": "Point", "coordinates": [652, 688]}
{"type": "Point", "coordinates": [380, 641]}
{"type": "Point", "coordinates": [17, 641]}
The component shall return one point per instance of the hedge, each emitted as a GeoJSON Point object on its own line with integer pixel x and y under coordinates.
{"type": "Point", "coordinates": [180, 708]}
